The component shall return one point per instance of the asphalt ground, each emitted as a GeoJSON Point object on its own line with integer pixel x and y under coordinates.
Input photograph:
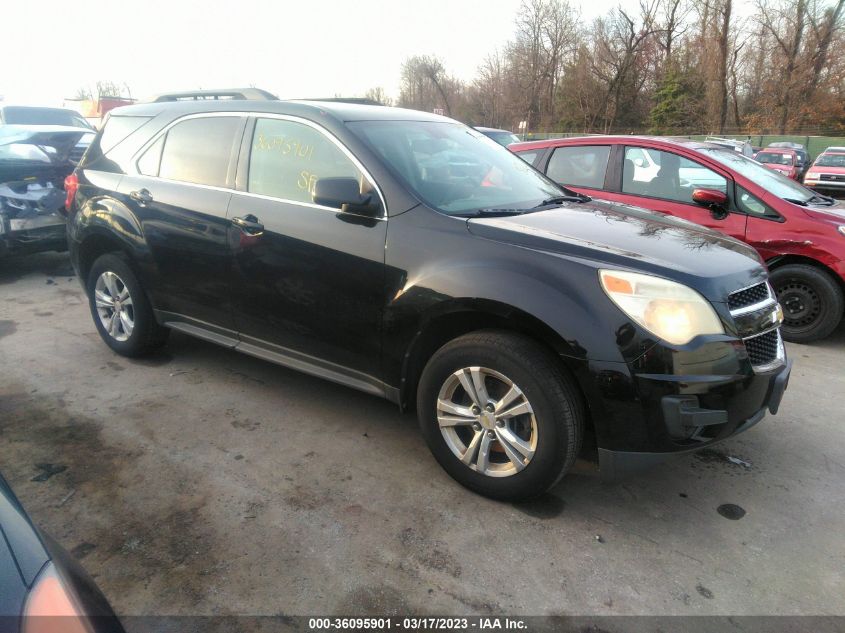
{"type": "Point", "coordinates": [202, 481]}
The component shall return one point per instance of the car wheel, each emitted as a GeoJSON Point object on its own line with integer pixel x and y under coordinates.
{"type": "Point", "coordinates": [121, 311]}
{"type": "Point", "coordinates": [812, 302]}
{"type": "Point", "coordinates": [500, 414]}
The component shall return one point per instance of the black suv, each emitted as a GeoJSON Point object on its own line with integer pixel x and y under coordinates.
{"type": "Point", "coordinates": [411, 257]}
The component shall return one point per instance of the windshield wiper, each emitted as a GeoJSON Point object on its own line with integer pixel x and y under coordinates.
{"type": "Point", "coordinates": [825, 200]}
{"type": "Point", "coordinates": [571, 196]}
{"type": "Point", "coordinates": [802, 203]}
{"type": "Point", "coordinates": [490, 213]}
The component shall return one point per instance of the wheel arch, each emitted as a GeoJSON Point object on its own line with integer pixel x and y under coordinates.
{"type": "Point", "coordinates": [95, 244]}
{"type": "Point", "coordinates": [461, 317]}
{"type": "Point", "coordinates": [784, 260]}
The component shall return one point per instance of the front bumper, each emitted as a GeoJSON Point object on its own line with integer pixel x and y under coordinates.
{"type": "Point", "coordinates": [826, 185]}
{"type": "Point", "coordinates": [684, 415]}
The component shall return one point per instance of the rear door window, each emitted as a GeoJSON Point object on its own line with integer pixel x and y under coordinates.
{"type": "Point", "coordinates": [200, 150]}
{"type": "Point", "coordinates": [579, 166]}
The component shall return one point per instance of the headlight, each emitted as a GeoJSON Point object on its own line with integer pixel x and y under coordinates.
{"type": "Point", "coordinates": [667, 309]}
{"type": "Point", "coordinates": [812, 175]}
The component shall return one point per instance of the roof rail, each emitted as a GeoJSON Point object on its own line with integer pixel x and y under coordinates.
{"type": "Point", "coordinates": [255, 94]}
{"type": "Point", "coordinates": [355, 100]}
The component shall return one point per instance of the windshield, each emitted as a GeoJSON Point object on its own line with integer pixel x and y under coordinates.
{"type": "Point", "coordinates": [456, 169]}
{"type": "Point", "coordinates": [774, 158]}
{"type": "Point", "coordinates": [770, 180]}
{"type": "Point", "coordinates": [830, 160]}
{"type": "Point", "coordinates": [42, 116]}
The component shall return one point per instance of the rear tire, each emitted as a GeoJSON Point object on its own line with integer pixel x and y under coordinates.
{"type": "Point", "coordinates": [812, 302]}
{"type": "Point", "coordinates": [517, 434]}
{"type": "Point", "coordinates": [120, 308]}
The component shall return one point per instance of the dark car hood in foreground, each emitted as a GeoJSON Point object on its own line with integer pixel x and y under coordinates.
{"type": "Point", "coordinates": [615, 234]}
{"type": "Point", "coordinates": [22, 554]}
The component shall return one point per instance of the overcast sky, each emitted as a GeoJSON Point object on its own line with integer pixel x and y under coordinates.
{"type": "Point", "coordinates": [307, 48]}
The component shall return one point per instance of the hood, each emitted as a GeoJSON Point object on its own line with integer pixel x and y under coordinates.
{"type": "Point", "coordinates": [613, 234]}
{"type": "Point", "coordinates": [21, 536]}
{"type": "Point", "coordinates": [776, 167]}
{"type": "Point", "coordinates": [835, 214]}
{"type": "Point", "coordinates": [60, 138]}
{"type": "Point", "coordinates": [822, 169]}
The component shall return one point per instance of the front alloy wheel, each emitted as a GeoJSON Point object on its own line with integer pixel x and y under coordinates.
{"type": "Point", "coordinates": [487, 422]}
{"type": "Point", "coordinates": [114, 306]}
{"type": "Point", "coordinates": [500, 413]}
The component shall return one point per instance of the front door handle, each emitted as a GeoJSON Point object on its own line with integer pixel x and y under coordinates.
{"type": "Point", "coordinates": [142, 196]}
{"type": "Point", "coordinates": [249, 224]}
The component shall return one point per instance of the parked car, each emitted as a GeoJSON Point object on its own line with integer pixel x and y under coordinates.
{"type": "Point", "coordinates": [803, 162]}
{"type": "Point", "coordinates": [34, 161]}
{"type": "Point", "coordinates": [502, 137]}
{"type": "Point", "coordinates": [743, 147]}
{"type": "Point", "coordinates": [783, 161]}
{"type": "Point", "coordinates": [42, 588]}
{"type": "Point", "coordinates": [828, 171]}
{"type": "Point", "coordinates": [798, 232]}
{"type": "Point", "coordinates": [35, 115]}
{"type": "Point", "coordinates": [517, 315]}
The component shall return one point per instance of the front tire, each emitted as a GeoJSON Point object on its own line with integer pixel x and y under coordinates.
{"type": "Point", "coordinates": [500, 414]}
{"type": "Point", "coordinates": [812, 302]}
{"type": "Point", "coordinates": [121, 311]}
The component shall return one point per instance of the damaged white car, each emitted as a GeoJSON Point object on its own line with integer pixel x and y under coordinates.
{"type": "Point", "coordinates": [34, 161]}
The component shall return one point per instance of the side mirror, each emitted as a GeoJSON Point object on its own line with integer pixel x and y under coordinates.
{"type": "Point", "coordinates": [713, 199]}
{"type": "Point", "coordinates": [343, 194]}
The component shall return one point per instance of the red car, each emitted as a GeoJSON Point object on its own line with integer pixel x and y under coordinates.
{"type": "Point", "coordinates": [785, 161]}
{"type": "Point", "coordinates": [799, 233]}
{"type": "Point", "coordinates": [828, 172]}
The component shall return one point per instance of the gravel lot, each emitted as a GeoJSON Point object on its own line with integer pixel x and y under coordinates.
{"type": "Point", "coordinates": [201, 481]}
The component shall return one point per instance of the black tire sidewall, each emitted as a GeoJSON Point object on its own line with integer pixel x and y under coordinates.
{"type": "Point", "coordinates": [830, 295]}
{"type": "Point", "coordinates": [137, 343]}
{"type": "Point", "coordinates": [547, 464]}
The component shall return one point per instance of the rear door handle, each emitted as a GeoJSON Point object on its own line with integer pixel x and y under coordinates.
{"type": "Point", "coordinates": [142, 196]}
{"type": "Point", "coordinates": [249, 224]}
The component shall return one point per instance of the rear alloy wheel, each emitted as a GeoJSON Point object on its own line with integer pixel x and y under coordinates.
{"type": "Point", "coordinates": [812, 302]}
{"type": "Point", "coordinates": [119, 306]}
{"type": "Point", "coordinates": [114, 306]}
{"type": "Point", "coordinates": [500, 414]}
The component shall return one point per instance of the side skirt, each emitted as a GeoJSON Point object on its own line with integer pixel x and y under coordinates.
{"type": "Point", "coordinates": [278, 355]}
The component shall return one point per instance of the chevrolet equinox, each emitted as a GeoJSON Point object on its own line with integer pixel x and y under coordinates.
{"type": "Point", "coordinates": [409, 256]}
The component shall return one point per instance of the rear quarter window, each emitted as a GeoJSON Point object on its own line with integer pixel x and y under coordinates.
{"type": "Point", "coordinates": [109, 140]}
{"type": "Point", "coordinates": [528, 157]}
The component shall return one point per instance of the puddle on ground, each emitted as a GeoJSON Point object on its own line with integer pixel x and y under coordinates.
{"type": "Point", "coordinates": [7, 327]}
{"type": "Point", "coordinates": [731, 511]}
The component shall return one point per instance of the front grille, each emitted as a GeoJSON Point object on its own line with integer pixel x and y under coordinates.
{"type": "Point", "coordinates": [832, 177]}
{"type": "Point", "coordinates": [764, 348]}
{"type": "Point", "coordinates": [749, 296]}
